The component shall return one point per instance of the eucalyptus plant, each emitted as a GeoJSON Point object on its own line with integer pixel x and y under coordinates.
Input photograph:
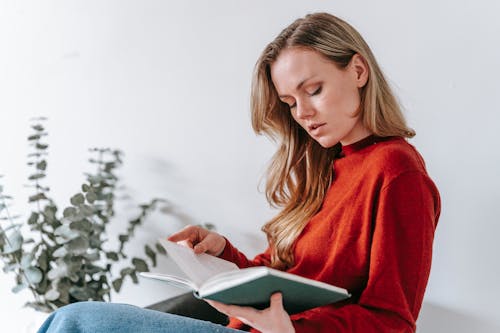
{"type": "Point", "coordinates": [65, 258]}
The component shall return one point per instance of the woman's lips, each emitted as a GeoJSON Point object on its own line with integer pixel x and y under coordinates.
{"type": "Point", "coordinates": [315, 128]}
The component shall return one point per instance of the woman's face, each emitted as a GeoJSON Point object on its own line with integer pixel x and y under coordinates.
{"type": "Point", "coordinates": [323, 99]}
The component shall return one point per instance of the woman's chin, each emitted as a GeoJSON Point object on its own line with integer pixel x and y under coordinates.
{"type": "Point", "coordinates": [326, 143]}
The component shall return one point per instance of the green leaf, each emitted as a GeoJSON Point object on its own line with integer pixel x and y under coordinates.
{"type": "Point", "coordinates": [86, 210]}
{"type": "Point", "coordinates": [19, 287]}
{"type": "Point", "coordinates": [14, 244]}
{"type": "Point", "coordinates": [58, 271]}
{"type": "Point", "coordinates": [123, 238]}
{"type": "Point", "coordinates": [77, 199]}
{"type": "Point", "coordinates": [29, 241]}
{"type": "Point", "coordinates": [42, 261]}
{"type": "Point", "coordinates": [112, 255]}
{"type": "Point", "coordinates": [37, 197]}
{"type": "Point", "coordinates": [95, 241]}
{"type": "Point", "coordinates": [160, 248]}
{"type": "Point", "coordinates": [78, 245]}
{"type": "Point", "coordinates": [36, 176]}
{"type": "Point", "coordinates": [85, 188]}
{"type": "Point", "coordinates": [91, 197]}
{"type": "Point", "coordinates": [79, 293]}
{"type": "Point", "coordinates": [63, 289]}
{"type": "Point", "coordinates": [37, 127]}
{"type": "Point", "coordinates": [126, 271]}
{"type": "Point", "coordinates": [74, 277]}
{"type": "Point", "coordinates": [65, 232]}
{"type": "Point", "coordinates": [92, 269]}
{"type": "Point", "coordinates": [42, 307]}
{"type": "Point", "coordinates": [42, 165]}
{"type": "Point", "coordinates": [33, 218]}
{"type": "Point", "coordinates": [38, 154]}
{"type": "Point", "coordinates": [94, 180]}
{"type": "Point", "coordinates": [34, 137]}
{"type": "Point", "coordinates": [26, 260]}
{"type": "Point", "coordinates": [33, 274]}
{"type": "Point", "coordinates": [83, 225]}
{"type": "Point", "coordinates": [41, 146]}
{"type": "Point", "coordinates": [70, 211]}
{"type": "Point", "coordinates": [117, 284]}
{"type": "Point", "coordinates": [50, 214]}
{"type": "Point", "coordinates": [151, 254]}
{"type": "Point", "coordinates": [38, 119]}
{"type": "Point", "coordinates": [140, 265]}
{"type": "Point", "coordinates": [135, 222]}
{"type": "Point", "coordinates": [52, 295]}
{"type": "Point", "coordinates": [208, 226]}
{"type": "Point", "coordinates": [94, 256]}
{"type": "Point", "coordinates": [60, 252]}
{"type": "Point", "coordinates": [10, 267]}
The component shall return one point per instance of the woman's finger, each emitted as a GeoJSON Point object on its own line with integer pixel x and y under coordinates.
{"type": "Point", "coordinates": [213, 244]}
{"type": "Point", "coordinates": [277, 302]}
{"type": "Point", "coordinates": [189, 233]}
{"type": "Point", "coordinates": [234, 311]}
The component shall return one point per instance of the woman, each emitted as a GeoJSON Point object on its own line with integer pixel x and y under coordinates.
{"type": "Point", "coordinates": [358, 209]}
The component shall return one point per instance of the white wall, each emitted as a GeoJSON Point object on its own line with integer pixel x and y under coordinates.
{"type": "Point", "coordinates": [168, 83]}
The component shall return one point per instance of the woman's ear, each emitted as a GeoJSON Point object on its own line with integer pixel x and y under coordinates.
{"type": "Point", "coordinates": [360, 67]}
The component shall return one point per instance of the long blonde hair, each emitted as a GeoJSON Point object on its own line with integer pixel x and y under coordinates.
{"type": "Point", "coordinates": [301, 171]}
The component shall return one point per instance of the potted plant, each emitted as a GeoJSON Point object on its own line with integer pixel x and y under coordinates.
{"type": "Point", "coordinates": [64, 257]}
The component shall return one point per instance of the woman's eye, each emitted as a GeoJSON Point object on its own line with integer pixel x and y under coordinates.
{"type": "Point", "coordinates": [315, 92]}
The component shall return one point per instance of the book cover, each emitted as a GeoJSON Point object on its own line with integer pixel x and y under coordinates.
{"type": "Point", "coordinates": [217, 279]}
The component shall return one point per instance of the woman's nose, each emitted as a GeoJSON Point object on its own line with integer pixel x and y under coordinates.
{"type": "Point", "coordinates": [304, 110]}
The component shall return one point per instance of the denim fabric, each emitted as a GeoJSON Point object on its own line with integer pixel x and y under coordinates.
{"type": "Point", "coordinates": [96, 317]}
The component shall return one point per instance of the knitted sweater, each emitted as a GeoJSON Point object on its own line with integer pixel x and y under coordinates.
{"type": "Point", "coordinates": [373, 236]}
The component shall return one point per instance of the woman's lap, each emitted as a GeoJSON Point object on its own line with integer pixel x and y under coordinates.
{"type": "Point", "coordinates": [95, 317]}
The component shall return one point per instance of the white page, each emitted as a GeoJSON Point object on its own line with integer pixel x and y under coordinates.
{"type": "Point", "coordinates": [198, 267]}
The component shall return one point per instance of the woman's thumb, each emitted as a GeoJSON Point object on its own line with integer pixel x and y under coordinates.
{"type": "Point", "coordinates": [276, 301]}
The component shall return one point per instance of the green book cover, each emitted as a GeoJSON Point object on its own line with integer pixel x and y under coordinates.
{"type": "Point", "coordinates": [254, 287]}
{"type": "Point", "coordinates": [217, 279]}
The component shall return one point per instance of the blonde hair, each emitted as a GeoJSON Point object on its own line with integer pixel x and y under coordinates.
{"type": "Point", "coordinates": [301, 171]}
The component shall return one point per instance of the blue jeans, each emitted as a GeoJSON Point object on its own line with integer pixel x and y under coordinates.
{"type": "Point", "coordinates": [96, 317]}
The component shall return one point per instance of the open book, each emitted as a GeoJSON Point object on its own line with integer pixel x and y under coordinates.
{"type": "Point", "coordinates": [220, 280]}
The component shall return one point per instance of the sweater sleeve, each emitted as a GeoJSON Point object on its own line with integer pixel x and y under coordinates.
{"type": "Point", "coordinates": [232, 254]}
{"type": "Point", "coordinates": [406, 215]}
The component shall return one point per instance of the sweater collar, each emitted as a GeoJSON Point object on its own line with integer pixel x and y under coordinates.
{"type": "Point", "coordinates": [363, 143]}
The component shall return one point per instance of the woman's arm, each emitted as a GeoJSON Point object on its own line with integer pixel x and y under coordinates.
{"type": "Point", "coordinates": [232, 254]}
{"type": "Point", "coordinates": [202, 240]}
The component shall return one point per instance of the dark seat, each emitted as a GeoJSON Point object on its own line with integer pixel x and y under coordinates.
{"type": "Point", "coordinates": [189, 306]}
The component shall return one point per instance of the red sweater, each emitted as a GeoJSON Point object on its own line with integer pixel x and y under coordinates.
{"type": "Point", "coordinates": [372, 236]}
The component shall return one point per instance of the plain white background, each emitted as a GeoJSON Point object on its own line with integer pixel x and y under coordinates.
{"type": "Point", "coordinates": [168, 83]}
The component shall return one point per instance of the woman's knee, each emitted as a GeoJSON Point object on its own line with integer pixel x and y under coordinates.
{"type": "Point", "coordinates": [81, 316]}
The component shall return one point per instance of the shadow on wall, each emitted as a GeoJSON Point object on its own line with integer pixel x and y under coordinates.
{"type": "Point", "coordinates": [435, 318]}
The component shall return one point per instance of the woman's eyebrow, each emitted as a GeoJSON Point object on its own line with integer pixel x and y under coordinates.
{"type": "Point", "coordinates": [301, 83]}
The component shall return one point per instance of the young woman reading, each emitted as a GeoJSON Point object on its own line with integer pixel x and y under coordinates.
{"type": "Point", "coordinates": [357, 207]}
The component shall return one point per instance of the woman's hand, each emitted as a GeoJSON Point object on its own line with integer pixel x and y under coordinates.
{"type": "Point", "coordinates": [200, 240]}
{"type": "Point", "coordinates": [274, 319]}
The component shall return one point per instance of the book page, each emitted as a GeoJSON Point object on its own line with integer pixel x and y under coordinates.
{"type": "Point", "coordinates": [171, 279]}
{"type": "Point", "coordinates": [197, 267]}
